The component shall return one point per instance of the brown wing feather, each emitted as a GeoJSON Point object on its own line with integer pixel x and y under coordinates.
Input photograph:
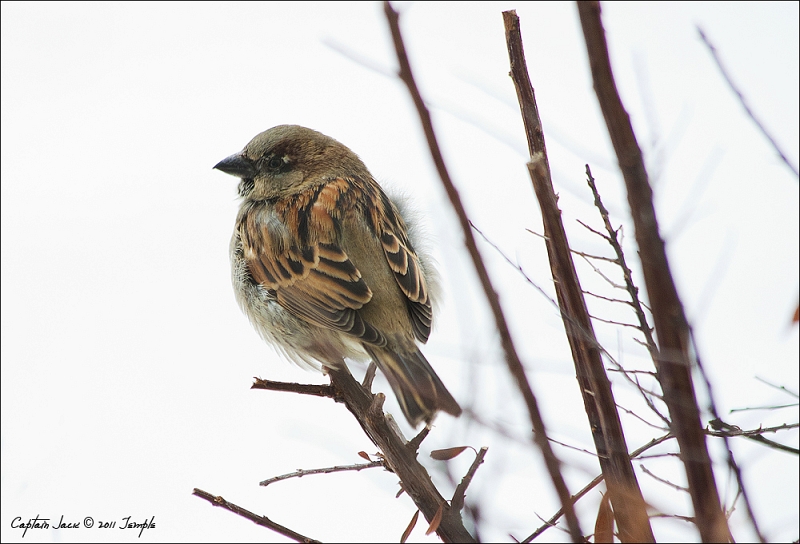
{"type": "Point", "coordinates": [408, 273]}
{"type": "Point", "coordinates": [317, 282]}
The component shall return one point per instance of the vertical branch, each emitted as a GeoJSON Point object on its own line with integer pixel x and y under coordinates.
{"type": "Point", "coordinates": [512, 359]}
{"type": "Point", "coordinates": [598, 399]}
{"type": "Point", "coordinates": [674, 363]}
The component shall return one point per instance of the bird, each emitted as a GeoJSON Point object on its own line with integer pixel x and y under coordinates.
{"type": "Point", "coordinates": [324, 268]}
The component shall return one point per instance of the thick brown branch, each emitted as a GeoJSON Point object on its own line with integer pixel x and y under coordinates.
{"type": "Point", "coordinates": [512, 359]}
{"type": "Point", "coordinates": [384, 433]}
{"type": "Point", "coordinates": [264, 521]}
{"type": "Point", "coordinates": [398, 457]}
{"type": "Point", "coordinates": [609, 439]}
{"type": "Point", "coordinates": [674, 362]}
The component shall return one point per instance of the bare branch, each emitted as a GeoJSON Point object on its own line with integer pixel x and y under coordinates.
{"type": "Point", "coordinates": [602, 275]}
{"type": "Point", "coordinates": [633, 291]}
{"type": "Point", "coordinates": [607, 299]}
{"type": "Point", "coordinates": [743, 102]}
{"type": "Point", "coordinates": [512, 359]}
{"type": "Point", "coordinates": [773, 407]}
{"type": "Point", "coordinates": [264, 521]}
{"type": "Point", "coordinates": [618, 323]}
{"type": "Point", "coordinates": [591, 485]}
{"type": "Point", "coordinates": [662, 480]}
{"type": "Point", "coordinates": [595, 388]}
{"type": "Point", "coordinates": [674, 363]}
{"type": "Point", "coordinates": [457, 502]}
{"type": "Point", "coordinates": [722, 429]}
{"type": "Point", "coordinates": [640, 418]}
{"type": "Point", "coordinates": [299, 473]}
{"type": "Point", "coordinates": [413, 444]}
{"type": "Point", "coordinates": [397, 456]}
{"type": "Point", "coordinates": [595, 257]}
{"type": "Point", "coordinates": [779, 387]}
{"type": "Point", "coordinates": [301, 388]}
{"type": "Point", "coordinates": [590, 229]}
{"type": "Point", "coordinates": [369, 376]}
{"type": "Point", "coordinates": [734, 467]}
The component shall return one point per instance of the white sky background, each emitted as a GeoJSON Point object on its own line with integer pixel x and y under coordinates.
{"type": "Point", "coordinates": [126, 362]}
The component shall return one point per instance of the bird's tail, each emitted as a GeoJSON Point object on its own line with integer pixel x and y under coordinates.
{"type": "Point", "coordinates": [418, 389]}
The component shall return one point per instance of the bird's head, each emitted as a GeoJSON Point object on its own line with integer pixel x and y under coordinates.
{"type": "Point", "coordinates": [287, 159]}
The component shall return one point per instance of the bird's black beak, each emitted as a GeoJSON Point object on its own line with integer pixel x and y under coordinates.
{"type": "Point", "coordinates": [237, 165]}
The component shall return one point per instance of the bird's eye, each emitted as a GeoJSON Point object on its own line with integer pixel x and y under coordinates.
{"type": "Point", "coordinates": [275, 163]}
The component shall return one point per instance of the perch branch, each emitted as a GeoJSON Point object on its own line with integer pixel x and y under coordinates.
{"type": "Point", "coordinates": [301, 388]}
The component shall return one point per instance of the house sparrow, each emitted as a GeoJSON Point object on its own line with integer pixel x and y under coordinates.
{"type": "Point", "coordinates": [323, 266]}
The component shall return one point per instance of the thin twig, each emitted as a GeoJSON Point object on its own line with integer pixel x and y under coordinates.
{"type": "Point", "coordinates": [608, 299]}
{"type": "Point", "coordinates": [640, 418]}
{"type": "Point", "coordinates": [574, 448]}
{"type": "Point", "coordinates": [660, 455]}
{"type": "Point", "coordinates": [633, 290]}
{"type": "Point", "coordinates": [732, 464]}
{"type": "Point", "coordinates": [516, 266]}
{"type": "Point", "coordinates": [264, 521]}
{"type": "Point", "coordinates": [591, 485]}
{"type": "Point", "coordinates": [600, 273]}
{"type": "Point", "coordinates": [413, 444]}
{"type": "Point", "coordinates": [618, 323]}
{"type": "Point", "coordinates": [774, 407]}
{"type": "Point", "coordinates": [564, 315]}
{"type": "Point", "coordinates": [722, 429]}
{"type": "Point", "coordinates": [628, 371]}
{"type": "Point", "coordinates": [688, 519]}
{"type": "Point", "coordinates": [595, 257]}
{"type": "Point", "coordinates": [743, 102]}
{"type": "Point", "coordinates": [662, 480]}
{"type": "Point", "coordinates": [457, 503]}
{"type": "Point", "coordinates": [299, 473]}
{"type": "Point", "coordinates": [778, 387]}
{"type": "Point", "coordinates": [590, 229]}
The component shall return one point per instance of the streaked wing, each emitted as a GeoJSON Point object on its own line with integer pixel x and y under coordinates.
{"type": "Point", "coordinates": [330, 295]}
{"type": "Point", "coordinates": [408, 273]}
{"type": "Point", "coordinates": [317, 282]}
